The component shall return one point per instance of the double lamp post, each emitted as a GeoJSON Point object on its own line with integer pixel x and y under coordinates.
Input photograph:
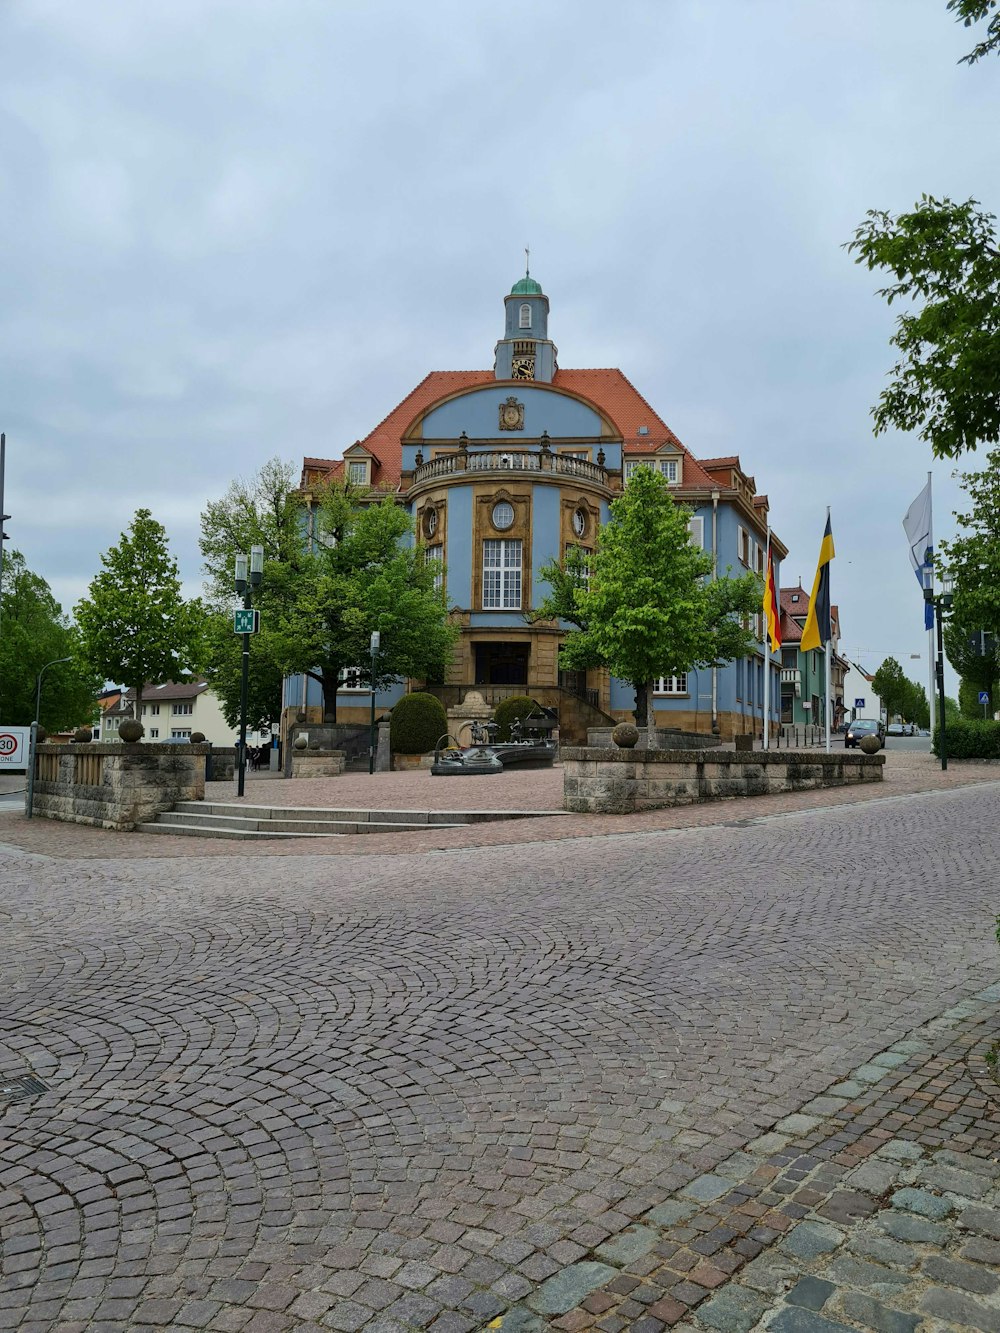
{"type": "Point", "coordinates": [941, 603]}
{"type": "Point", "coordinates": [246, 622]}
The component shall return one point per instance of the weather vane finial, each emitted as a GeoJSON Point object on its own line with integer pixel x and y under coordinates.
{"type": "Point", "coordinates": [527, 262]}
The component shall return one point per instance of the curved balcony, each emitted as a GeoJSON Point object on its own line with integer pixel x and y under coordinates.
{"type": "Point", "coordinates": [507, 461]}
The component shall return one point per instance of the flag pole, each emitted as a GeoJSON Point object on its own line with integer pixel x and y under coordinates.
{"type": "Point", "coordinates": [829, 663]}
{"type": "Point", "coordinates": [932, 686]}
{"type": "Point", "coordinates": [766, 643]}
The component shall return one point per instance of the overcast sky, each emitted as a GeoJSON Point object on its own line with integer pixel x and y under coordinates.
{"type": "Point", "coordinates": [241, 228]}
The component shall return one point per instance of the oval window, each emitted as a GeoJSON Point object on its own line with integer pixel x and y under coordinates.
{"type": "Point", "coordinates": [503, 515]}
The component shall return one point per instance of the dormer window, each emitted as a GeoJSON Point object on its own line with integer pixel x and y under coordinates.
{"type": "Point", "coordinates": [357, 472]}
{"type": "Point", "coordinates": [670, 469]}
{"type": "Point", "coordinates": [524, 317]}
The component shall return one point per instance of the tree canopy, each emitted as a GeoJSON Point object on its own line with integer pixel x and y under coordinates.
{"type": "Point", "coordinates": [135, 626]}
{"type": "Point", "coordinates": [335, 570]}
{"type": "Point", "coordinates": [34, 632]}
{"type": "Point", "coordinates": [969, 12]}
{"type": "Point", "coordinates": [644, 604]}
{"type": "Point", "coordinates": [973, 557]}
{"type": "Point", "coordinates": [900, 696]}
{"type": "Point", "coordinates": [945, 261]}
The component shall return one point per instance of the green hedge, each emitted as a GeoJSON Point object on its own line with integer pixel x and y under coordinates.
{"type": "Point", "coordinates": [417, 723]}
{"type": "Point", "coordinates": [967, 739]}
{"type": "Point", "coordinates": [507, 710]}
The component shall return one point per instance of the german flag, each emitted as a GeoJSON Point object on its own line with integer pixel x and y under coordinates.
{"type": "Point", "coordinates": [772, 616]}
{"type": "Point", "coordinates": [818, 630]}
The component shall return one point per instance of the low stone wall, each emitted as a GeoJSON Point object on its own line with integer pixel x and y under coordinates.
{"type": "Point", "coordinates": [116, 786]}
{"type": "Point", "coordinates": [408, 763]}
{"type": "Point", "coordinates": [318, 763]}
{"type": "Point", "coordinates": [221, 763]}
{"type": "Point", "coordinates": [623, 781]}
{"type": "Point", "coordinates": [669, 738]}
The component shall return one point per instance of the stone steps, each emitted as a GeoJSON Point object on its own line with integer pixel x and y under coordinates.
{"type": "Point", "coordinates": [207, 819]}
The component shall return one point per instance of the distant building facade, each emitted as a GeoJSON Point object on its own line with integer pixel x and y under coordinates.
{"type": "Point", "coordinates": [503, 470]}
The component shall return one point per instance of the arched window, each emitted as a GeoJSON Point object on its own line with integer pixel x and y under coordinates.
{"type": "Point", "coordinates": [524, 317]}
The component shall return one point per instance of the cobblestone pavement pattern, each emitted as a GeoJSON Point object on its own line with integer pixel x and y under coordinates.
{"type": "Point", "coordinates": [411, 1091]}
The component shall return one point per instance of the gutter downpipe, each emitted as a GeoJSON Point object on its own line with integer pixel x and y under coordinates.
{"type": "Point", "coordinates": [715, 575]}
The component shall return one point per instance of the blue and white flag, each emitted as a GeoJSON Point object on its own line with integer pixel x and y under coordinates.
{"type": "Point", "coordinates": [918, 526]}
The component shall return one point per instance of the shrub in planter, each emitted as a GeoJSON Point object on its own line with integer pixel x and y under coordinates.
{"type": "Point", "coordinates": [82, 735]}
{"type": "Point", "coordinates": [969, 738]}
{"type": "Point", "coordinates": [520, 706]}
{"type": "Point", "coordinates": [131, 730]}
{"type": "Point", "coordinates": [197, 738]}
{"type": "Point", "coordinates": [417, 723]}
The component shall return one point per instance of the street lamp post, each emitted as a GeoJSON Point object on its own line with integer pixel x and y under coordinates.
{"type": "Point", "coordinates": [244, 585]}
{"type": "Point", "coordinates": [941, 603]}
{"type": "Point", "coordinates": [33, 738]}
{"type": "Point", "coordinates": [375, 641]}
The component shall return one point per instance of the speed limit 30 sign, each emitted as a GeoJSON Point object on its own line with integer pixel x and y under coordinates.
{"type": "Point", "coordinates": [13, 747]}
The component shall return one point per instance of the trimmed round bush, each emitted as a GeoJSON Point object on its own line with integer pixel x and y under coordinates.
{"type": "Point", "coordinates": [417, 723]}
{"type": "Point", "coordinates": [520, 706]}
{"type": "Point", "coordinates": [82, 735]}
{"type": "Point", "coordinates": [131, 730]}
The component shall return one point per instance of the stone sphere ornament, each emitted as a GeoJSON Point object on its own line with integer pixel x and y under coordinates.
{"type": "Point", "coordinates": [870, 744]}
{"type": "Point", "coordinates": [300, 742]}
{"type": "Point", "coordinates": [625, 735]}
{"type": "Point", "coordinates": [131, 731]}
{"type": "Point", "coordinates": [82, 735]}
{"type": "Point", "coordinates": [197, 738]}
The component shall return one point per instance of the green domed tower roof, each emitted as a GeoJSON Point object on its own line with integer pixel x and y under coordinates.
{"type": "Point", "coordinates": [526, 286]}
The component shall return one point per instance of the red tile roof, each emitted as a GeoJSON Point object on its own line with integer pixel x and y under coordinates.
{"type": "Point", "coordinates": [609, 390]}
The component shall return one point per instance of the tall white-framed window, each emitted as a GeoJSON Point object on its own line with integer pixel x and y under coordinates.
{"type": "Point", "coordinates": [357, 472]}
{"type": "Point", "coordinates": [154, 733]}
{"type": "Point", "coordinates": [670, 469]}
{"type": "Point", "coordinates": [743, 546]}
{"type": "Point", "coordinates": [353, 678]}
{"type": "Point", "coordinates": [671, 684]}
{"type": "Point", "coordinates": [524, 316]}
{"type": "Point", "coordinates": [750, 676]}
{"type": "Point", "coordinates": [179, 710]}
{"type": "Point", "coordinates": [696, 531]}
{"type": "Point", "coordinates": [434, 555]}
{"type": "Point", "coordinates": [501, 574]}
{"type": "Point", "coordinates": [583, 571]}
{"type": "Point", "coordinates": [633, 465]}
{"type": "Point", "coordinates": [181, 734]}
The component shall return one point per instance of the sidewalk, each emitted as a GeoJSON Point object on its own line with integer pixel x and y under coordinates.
{"type": "Point", "coordinates": [876, 1207]}
{"type": "Point", "coordinates": [907, 773]}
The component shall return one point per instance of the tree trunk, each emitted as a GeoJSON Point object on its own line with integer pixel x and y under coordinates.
{"type": "Point", "coordinates": [652, 740]}
{"type": "Point", "coordinates": [138, 704]}
{"type": "Point", "coordinates": [639, 712]}
{"type": "Point", "coordinates": [331, 683]}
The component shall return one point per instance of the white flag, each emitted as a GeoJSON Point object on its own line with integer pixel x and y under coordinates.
{"type": "Point", "coordinates": [918, 528]}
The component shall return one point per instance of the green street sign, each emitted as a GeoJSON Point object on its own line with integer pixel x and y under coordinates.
{"type": "Point", "coordinates": [246, 622]}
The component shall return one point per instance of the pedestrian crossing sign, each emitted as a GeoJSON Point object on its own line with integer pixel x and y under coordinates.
{"type": "Point", "coordinates": [246, 622]}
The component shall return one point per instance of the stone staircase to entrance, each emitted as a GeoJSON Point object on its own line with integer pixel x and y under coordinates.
{"type": "Point", "coordinates": [204, 819]}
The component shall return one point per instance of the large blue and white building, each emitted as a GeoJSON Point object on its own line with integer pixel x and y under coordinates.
{"type": "Point", "coordinates": [503, 470]}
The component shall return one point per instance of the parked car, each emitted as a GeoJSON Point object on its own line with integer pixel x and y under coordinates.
{"type": "Point", "coordinates": [860, 728]}
{"type": "Point", "coordinates": [901, 729]}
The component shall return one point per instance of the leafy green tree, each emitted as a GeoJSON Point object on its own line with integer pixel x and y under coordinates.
{"type": "Point", "coordinates": [33, 632]}
{"type": "Point", "coordinates": [335, 570]}
{"type": "Point", "coordinates": [973, 558]}
{"type": "Point", "coordinates": [968, 700]}
{"type": "Point", "coordinates": [221, 663]}
{"type": "Point", "coordinates": [890, 685]}
{"type": "Point", "coordinates": [644, 604]}
{"type": "Point", "coordinates": [135, 626]}
{"type": "Point", "coordinates": [915, 707]}
{"type": "Point", "coordinates": [974, 11]}
{"type": "Point", "coordinates": [945, 261]}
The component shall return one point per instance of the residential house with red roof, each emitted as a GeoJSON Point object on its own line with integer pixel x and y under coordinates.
{"type": "Point", "coordinates": [803, 675]}
{"type": "Point", "coordinates": [503, 470]}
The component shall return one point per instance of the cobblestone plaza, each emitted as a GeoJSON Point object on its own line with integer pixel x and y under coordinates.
{"type": "Point", "coordinates": [413, 1086]}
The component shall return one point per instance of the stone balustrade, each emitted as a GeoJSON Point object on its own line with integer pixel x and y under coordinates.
{"type": "Point", "coordinates": [116, 786]}
{"type": "Point", "coordinates": [613, 781]}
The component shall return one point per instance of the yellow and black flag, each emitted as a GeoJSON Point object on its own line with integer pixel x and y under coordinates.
{"type": "Point", "coordinates": [818, 630]}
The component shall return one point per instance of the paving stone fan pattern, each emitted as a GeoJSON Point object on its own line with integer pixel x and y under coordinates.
{"type": "Point", "coordinates": [393, 1092]}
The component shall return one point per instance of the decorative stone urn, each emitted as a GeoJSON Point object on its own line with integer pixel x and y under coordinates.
{"type": "Point", "coordinates": [131, 731]}
{"type": "Point", "coordinates": [625, 736]}
{"type": "Point", "coordinates": [870, 744]}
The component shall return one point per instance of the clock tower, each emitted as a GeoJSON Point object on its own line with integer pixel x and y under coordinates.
{"type": "Point", "coordinates": [525, 351]}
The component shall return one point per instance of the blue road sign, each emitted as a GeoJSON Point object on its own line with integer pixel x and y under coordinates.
{"type": "Point", "coordinates": [984, 696]}
{"type": "Point", "coordinates": [859, 703]}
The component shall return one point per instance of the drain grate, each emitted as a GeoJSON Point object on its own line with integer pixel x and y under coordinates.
{"type": "Point", "coordinates": [20, 1089]}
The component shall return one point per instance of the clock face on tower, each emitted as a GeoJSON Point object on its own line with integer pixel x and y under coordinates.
{"type": "Point", "coordinates": [523, 368]}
